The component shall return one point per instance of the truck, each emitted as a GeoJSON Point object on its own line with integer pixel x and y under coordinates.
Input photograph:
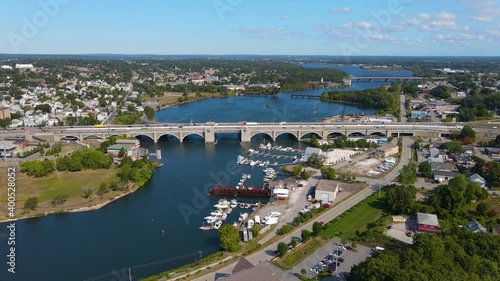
{"type": "Point", "coordinates": [250, 123]}
{"type": "Point", "coordinates": [100, 126]}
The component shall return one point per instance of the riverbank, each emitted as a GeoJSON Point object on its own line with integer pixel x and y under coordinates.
{"type": "Point", "coordinates": [48, 190]}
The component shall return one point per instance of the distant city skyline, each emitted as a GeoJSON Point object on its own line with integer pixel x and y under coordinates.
{"type": "Point", "coordinates": [227, 27]}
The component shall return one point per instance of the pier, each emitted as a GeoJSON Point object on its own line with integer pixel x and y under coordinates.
{"type": "Point", "coordinates": [257, 191]}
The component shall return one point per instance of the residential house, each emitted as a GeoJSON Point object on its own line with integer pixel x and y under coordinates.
{"type": "Point", "coordinates": [441, 176]}
{"type": "Point", "coordinates": [474, 226]}
{"type": "Point", "coordinates": [477, 178]}
{"type": "Point", "coordinates": [427, 222]}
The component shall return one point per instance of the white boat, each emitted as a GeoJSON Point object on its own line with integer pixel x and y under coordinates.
{"type": "Point", "coordinates": [244, 176]}
{"type": "Point", "coordinates": [249, 176]}
{"type": "Point", "coordinates": [261, 164]}
{"type": "Point", "coordinates": [224, 216]}
{"type": "Point", "coordinates": [221, 206]}
{"type": "Point", "coordinates": [250, 223]}
{"type": "Point", "coordinates": [217, 224]}
{"type": "Point", "coordinates": [243, 217]}
{"type": "Point", "coordinates": [247, 206]}
{"type": "Point", "coordinates": [236, 224]}
{"type": "Point", "coordinates": [233, 203]}
{"type": "Point", "coordinates": [257, 219]}
{"type": "Point", "coordinates": [274, 214]}
{"type": "Point", "coordinates": [271, 220]}
{"type": "Point", "coordinates": [216, 213]}
{"type": "Point", "coordinates": [242, 205]}
{"type": "Point", "coordinates": [206, 227]}
{"type": "Point", "coordinates": [212, 220]}
{"type": "Point", "coordinates": [253, 163]}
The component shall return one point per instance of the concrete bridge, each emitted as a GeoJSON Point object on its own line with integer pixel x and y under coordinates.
{"type": "Point", "coordinates": [245, 132]}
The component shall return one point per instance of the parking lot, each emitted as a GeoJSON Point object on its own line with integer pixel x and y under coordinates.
{"type": "Point", "coordinates": [403, 231]}
{"type": "Point", "coordinates": [334, 257]}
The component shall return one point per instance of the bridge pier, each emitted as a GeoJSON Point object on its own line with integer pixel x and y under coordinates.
{"type": "Point", "coordinates": [209, 135]}
{"type": "Point", "coordinates": [246, 134]}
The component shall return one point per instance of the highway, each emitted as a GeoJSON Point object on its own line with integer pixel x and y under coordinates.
{"type": "Point", "coordinates": [268, 252]}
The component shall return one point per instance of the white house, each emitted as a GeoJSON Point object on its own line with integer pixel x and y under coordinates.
{"type": "Point", "coordinates": [310, 151]}
{"type": "Point", "coordinates": [6, 67]}
{"type": "Point", "coordinates": [477, 178]}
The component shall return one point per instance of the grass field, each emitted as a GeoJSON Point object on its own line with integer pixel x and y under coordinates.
{"type": "Point", "coordinates": [297, 255]}
{"type": "Point", "coordinates": [56, 184]}
{"type": "Point", "coordinates": [356, 218]}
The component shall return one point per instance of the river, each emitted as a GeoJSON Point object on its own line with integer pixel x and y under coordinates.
{"type": "Point", "coordinates": [160, 221]}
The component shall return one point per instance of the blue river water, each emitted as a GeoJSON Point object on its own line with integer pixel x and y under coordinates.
{"type": "Point", "coordinates": [156, 228]}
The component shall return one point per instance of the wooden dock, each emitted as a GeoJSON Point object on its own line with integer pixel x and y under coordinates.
{"type": "Point", "coordinates": [255, 191]}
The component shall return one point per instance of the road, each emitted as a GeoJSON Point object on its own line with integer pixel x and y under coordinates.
{"type": "Point", "coordinates": [402, 108]}
{"type": "Point", "coordinates": [268, 252]}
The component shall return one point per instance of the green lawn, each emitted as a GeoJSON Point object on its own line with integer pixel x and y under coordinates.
{"type": "Point", "coordinates": [356, 218]}
{"type": "Point", "coordinates": [302, 251]}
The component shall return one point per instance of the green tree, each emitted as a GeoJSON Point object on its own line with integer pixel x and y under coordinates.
{"type": "Point", "coordinates": [408, 174]}
{"type": "Point", "coordinates": [483, 209]}
{"type": "Point", "coordinates": [400, 199]}
{"type": "Point", "coordinates": [297, 170]}
{"type": "Point", "coordinates": [282, 248]}
{"type": "Point", "coordinates": [425, 169]}
{"type": "Point", "coordinates": [121, 153]}
{"type": "Point", "coordinates": [294, 243]}
{"type": "Point", "coordinates": [286, 229]}
{"type": "Point", "coordinates": [150, 113]}
{"type": "Point", "coordinates": [452, 146]}
{"type": "Point", "coordinates": [87, 193]}
{"type": "Point", "coordinates": [229, 238]}
{"type": "Point", "coordinates": [316, 229]}
{"type": "Point", "coordinates": [467, 131]}
{"type": "Point", "coordinates": [305, 235]}
{"type": "Point", "coordinates": [328, 173]}
{"type": "Point", "coordinates": [315, 161]}
{"type": "Point", "coordinates": [31, 203]}
{"type": "Point", "coordinates": [441, 92]}
{"type": "Point", "coordinates": [305, 175]}
{"type": "Point", "coordinates": [255, 230]}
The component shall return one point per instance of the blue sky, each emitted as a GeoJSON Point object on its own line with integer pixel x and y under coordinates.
{"type": "Point", "coordinates": [289, 27]}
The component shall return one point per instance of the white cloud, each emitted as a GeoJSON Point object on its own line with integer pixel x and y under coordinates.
{"type": "Point", "coordinates": [483, 10]}
{"type": "Point", "coordinates": [364, 25]}
{"type": "Point", "coordinates": [424, 16]}
{"type": "Point", "coordinates": [284, 17]}
{"type": "Point", "coordinates": [446, 16]}
{"type": "Point", "coordinates": [344, 10]}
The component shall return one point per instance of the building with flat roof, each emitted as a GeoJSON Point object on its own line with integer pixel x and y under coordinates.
{"type": "Point", "coordinates": [427, 222]}
{"type": "Point", "coordinates": [387, 150]}
{"type": "Point", "coordinates": [4, 112]}
{"type": "Point", "coordinates": [327, 191]}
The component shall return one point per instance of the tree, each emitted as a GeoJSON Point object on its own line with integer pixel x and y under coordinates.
{"type": "Point", "coordinates": [328, 173]}
{"type": "Point", "coordinates": [483, 209]}
{"type": "Point", "coordinates": [229, 238]}
{"type": "Point", "coordinates": [303, 271]}
{"type": "Point", "coordinates": [121, 153]}
{"type": "Point", "coordinates": [294, 243]}
{"type": "Point", "coordinates": [425, 169]}
{"type": "Point", "coordinates": [305, 175]}
{"type": "Point", "coordinates": [401, 199]}
{"type": "Point", "coordinates": [150, 113]}
{"type": "Point", "coordinates": [87, 193]}
{"type": "Point", "coordinates": [255, 230]}
{"type": "Point", "coordinates": [286, 229]}
{"type": "Point", "coordinates": [407, 175]}
{"type": "Point", "coordinates": [305, 235]}
{"type": "Point", "coordinates": [467, 131]}
{"type": "Point", "coordinates": [45, 108]}
{"type": "Point", "coordinates": [452, 146]}
{"type": "Point", "coordinates": [282, 248]}
{"type": "Point", "coordinates": [315, 161]}
{"type": "Point", "coordinates": [441, 92]}
{"type": "Point", "coordinates": [58, 200]}
{"type": "Point", "coordinates": [297, 170]}
{"type": "Point", "coordinates": [317, 227]}
{"type": "Point", "coordinates": [31, 203]}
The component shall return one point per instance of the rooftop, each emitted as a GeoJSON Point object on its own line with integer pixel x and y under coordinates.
{"type": "Point", "coordinates": [328, 185]}
{"type": "Point", "coordinates": [428, 219]}
{"type": "Point", "coordinates": [474, 226]}
{"type": "Point", "coordinates": [118, 147]}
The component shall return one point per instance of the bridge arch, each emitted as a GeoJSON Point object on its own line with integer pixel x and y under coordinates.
{"type": "Point", "coordinates": [335, 134]}
{"type": "Point", "coordinates": [262, 133]}
{"type": "Point", "coordinates": [144, 135]}
{"type": "Point", "coordinates": [380, 134]}
{"type": "Point", "coordinates": [93, 137]}
{"type": "Point", "coordinates": [318, 135]}
{"type": "Point", "coordinates": [354, 134]}
{"type": "Point", "coordinates": [193, 134]}
{"type": "Point", "coordinates": [166, 135]}
{"type": "Point", "coordinates": [290, 133]}
{"type": "Point", "coordinates": [66, 137]}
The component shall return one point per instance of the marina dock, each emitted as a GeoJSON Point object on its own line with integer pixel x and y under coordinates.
{"type": "Point", "coordinates": [257, 191]}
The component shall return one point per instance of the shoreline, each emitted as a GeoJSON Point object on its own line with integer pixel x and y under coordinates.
{"type": "Point", "coordinates": [75, 210]}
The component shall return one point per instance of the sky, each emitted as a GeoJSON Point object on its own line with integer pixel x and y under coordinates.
{"type": "Point", "coordinates": [262, 27]}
